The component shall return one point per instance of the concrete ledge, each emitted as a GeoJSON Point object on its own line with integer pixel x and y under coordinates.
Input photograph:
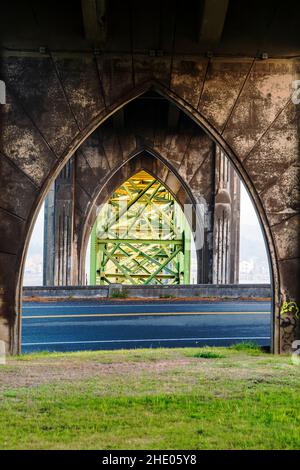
{"type": "Point", "coordinates": [122, 291]}
{"type": "Point", "coordinates": [66, 292]}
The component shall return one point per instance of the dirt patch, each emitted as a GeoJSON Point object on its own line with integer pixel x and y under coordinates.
{"type": "Point", "coordinates": [45, 370]}
{"type": "Point", "coordinates": [29, 374]}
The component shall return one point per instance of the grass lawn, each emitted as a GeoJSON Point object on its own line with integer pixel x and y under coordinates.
{"type": "Point", "coordinates": [206, 398]}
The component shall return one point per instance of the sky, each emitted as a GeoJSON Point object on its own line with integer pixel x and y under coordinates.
{"type": "Point", "coordinates": [252, 246]}
{"type": "Point", "coordinates": [33, 274]}
{"type": "Point", "coordinates": [248, 214]}
{"type": "Point", "coordinates": [253, 254]}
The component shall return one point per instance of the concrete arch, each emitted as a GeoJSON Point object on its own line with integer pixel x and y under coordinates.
{"type": "Point", "coordinates": [156, 165]}
{"type": "Point", "coordinates": [194, 115]}
{"type": "Point", "coordinates": [14, 299]}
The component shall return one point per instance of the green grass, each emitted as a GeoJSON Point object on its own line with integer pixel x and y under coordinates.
{"type": "Point", "coordinates": [194, 398]}
{"type": "Point", "coordinates": [208, 355]}
{"type": "Point", "coordinates": [246, 346]}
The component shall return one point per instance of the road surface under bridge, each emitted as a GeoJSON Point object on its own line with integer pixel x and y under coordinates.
{"type": "Point", "coordinates": [77, 326]}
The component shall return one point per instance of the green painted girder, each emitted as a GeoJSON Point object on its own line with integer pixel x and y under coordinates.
{"type": "Point", "coordinates": [160, 276]}
{"type": "Point", "coordinates": [152, 215]}
{"type": "Point", "coordinates": [133, 201]}
{"type": "Point", "coordinates": [126, 273]}
{"type": "Point", "coordinates": [140, 242]}
{"type": "Point", "coordinates": [152, 259]}
{"type": "Point", "coordinates": [163, 265]}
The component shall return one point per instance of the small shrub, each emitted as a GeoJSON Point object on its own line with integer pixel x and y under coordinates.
{"type": "Point", "coordinates": [246, 346]}
{"type": "Point", "coordinates": [208, 355]}
{"type": "Point", "coordinates": [122, 294]}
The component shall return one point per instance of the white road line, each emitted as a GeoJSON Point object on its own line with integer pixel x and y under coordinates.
{"type": "Point", "coordinates": [144, 340]}
{"type": "Point", "coordinates": [136, 314]}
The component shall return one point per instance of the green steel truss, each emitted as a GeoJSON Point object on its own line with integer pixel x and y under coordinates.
{"type": "Point", "coordinates": [140, 236]}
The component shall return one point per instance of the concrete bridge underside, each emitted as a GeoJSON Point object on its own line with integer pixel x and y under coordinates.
{"type": "Point", "coordinates": [57, 96]}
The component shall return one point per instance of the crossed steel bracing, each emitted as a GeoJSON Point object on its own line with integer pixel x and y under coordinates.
{"type": "Point", "coordinates": [140, 236]}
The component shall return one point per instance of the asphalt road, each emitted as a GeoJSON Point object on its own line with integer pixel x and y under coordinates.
{"type": "Point", "coordinates": [74, 326]}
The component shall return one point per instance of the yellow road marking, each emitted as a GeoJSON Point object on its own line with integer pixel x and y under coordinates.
{"type": "Point", "coordinates": [141, 314]}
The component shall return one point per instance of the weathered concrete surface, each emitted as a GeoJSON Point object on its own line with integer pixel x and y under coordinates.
{"type": "Point", "coordinates": [65, 292]}
{"type": "Point", "coordinates": [226, 237]}
{"type": "Point", "coordinates": [58, 229]}
{"type": "Point", "coordinates": [195, 290]}
{"type": "Point", "coordinates": [46, 118]}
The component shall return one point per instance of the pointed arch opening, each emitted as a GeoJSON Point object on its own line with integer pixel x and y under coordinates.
{"type": "Point", "coordinates": [116, 172]}
{"type": "Point", "coordinates": [190, 209]}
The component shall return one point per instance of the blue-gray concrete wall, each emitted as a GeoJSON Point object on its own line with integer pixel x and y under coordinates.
{"type": "Point", "coordinates": [118, 290]}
